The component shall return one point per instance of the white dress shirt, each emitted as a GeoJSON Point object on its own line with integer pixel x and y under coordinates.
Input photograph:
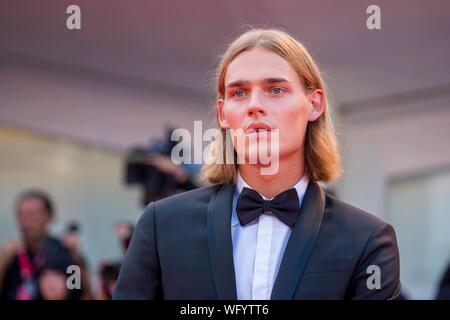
{"type": "Point", "coordinates": [258, 248]}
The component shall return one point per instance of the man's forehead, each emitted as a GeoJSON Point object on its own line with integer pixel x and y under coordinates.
{"type": "Point", "coordinates": [31, 202]}
{"type": "Point", "coordinates": [259, 73]}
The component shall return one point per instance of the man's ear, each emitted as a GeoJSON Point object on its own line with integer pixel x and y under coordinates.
{"type": "Point", "coordinates": [220, 115]}
{"type": "Point", "coordinates": [317, 103]}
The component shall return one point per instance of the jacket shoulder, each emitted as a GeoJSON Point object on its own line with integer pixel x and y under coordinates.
{"type": "Point", "coordinates": [199, 194]}
{"type": "Point", "coordinates": [351, 218]}
{"type": "Point", "coordinates": [184, 204]}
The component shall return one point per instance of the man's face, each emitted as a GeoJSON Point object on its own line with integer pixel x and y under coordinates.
{"type": "Point", "coordinates": [263, 91]}
{"type": "Point", "coordinates": [33, 219]}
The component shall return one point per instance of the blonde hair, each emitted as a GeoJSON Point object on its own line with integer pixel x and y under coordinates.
{"type": "Point", "coordinates": [322, 158]}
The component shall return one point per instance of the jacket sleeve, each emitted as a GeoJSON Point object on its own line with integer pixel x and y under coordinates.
{"type": "Point", "coordinates": [444, 286]}
{"type": "Point", "coordinates": [377, 273]}
{"type": "Point", "coordinates": [140, 274]}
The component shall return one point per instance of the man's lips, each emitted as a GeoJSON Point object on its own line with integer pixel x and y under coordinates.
{"type": "Point", "coordinates": [257, 127]}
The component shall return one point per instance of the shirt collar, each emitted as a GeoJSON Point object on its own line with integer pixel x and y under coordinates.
{"type": "Point", "coordinates": [300, 187]}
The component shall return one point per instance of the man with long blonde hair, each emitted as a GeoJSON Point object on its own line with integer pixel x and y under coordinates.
{"type": "Point", "coordinates": [265, 228]}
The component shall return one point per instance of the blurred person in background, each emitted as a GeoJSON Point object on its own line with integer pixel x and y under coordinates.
{"type": "Point", "coordinates": [22, 260]}
{"type": "Point", "coordinates": [71, 240]}
{"type": "Point", "coordinates": [109, 270]}
{"type": "Point", "coordinates": [52, 279]}
{"type": "Point", "coordinates": [152, 168]}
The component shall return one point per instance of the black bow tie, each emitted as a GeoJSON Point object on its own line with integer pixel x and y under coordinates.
{"type": "Point", "coordinates": [284, 206]}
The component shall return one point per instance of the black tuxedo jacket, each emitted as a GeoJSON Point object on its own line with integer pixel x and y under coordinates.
{"type": "Point", "coordinates": [182, 249]}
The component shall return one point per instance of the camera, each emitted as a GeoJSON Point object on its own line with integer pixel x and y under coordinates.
{"type": "Point", "coordinates": [156, 183]}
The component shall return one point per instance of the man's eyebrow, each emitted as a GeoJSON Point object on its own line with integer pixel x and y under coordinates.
{"type": "Point", "coordinates": [240, 83]}
{"type": "Point", "coordinates": [275, 80]}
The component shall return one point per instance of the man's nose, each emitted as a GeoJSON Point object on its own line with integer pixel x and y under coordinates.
{"type": "Point", "coordinates": [256, 107]}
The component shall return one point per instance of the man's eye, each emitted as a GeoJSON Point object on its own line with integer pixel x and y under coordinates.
{"type": "Point", "coordinates": [238, 94]}
{"type": "Point", "coordinates": [276, 91]}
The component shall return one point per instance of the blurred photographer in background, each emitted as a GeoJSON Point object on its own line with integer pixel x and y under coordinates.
{"type": "Point", "coordinates": [152, 168]}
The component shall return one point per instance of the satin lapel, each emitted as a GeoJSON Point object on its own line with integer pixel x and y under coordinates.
{"type": "Point", "coordinates": [220, 243]}
{"type": "Point", "coordinates": [300, 243]}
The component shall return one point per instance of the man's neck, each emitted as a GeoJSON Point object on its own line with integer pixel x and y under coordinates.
{"type": "Point", "coordinates": [290, 172]}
